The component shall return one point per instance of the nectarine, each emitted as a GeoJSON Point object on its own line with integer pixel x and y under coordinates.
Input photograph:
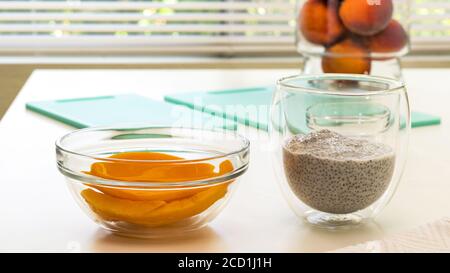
{"type": "Point", "coordinates": [393, 38]}
{"type": "Point", "coordinates": [366, 17]}
{"type": "Point", "coordinates": [348, 56]}
{"type": "Point", "coordinates": [319, 21]}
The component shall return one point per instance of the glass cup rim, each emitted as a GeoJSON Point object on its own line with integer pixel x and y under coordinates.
{"type": "Point", "coordinates": [394, 85]}
{"type": "Point", "coordinates": [83, 178]}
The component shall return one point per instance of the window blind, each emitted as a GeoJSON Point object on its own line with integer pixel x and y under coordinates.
{"type": "Point", "coordinates": [430, 25]}
{"type": "Point", "coordinates": [178, 27]}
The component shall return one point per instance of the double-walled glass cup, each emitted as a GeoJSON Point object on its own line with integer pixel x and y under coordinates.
{"type": "Point", "coordinates": [152, 181]}
{"type": "Point", "coordinates": [340, 144]}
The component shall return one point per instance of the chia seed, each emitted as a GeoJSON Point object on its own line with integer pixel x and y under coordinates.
{"type": "Point", "coordinates": [337, 174]}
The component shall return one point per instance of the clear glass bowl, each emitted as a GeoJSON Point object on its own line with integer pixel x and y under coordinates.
{"type": "Point", "coordinates": [340, 143]}
{"type": "Point", "coordinates": [152, 181]}
{"type": "Point", "coordinates": [353, 36]}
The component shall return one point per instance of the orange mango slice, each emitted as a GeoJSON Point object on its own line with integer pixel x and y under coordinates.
{"type": "Point", "coordinates": [152, 213]}
{"type": "Point", "coordinates": [150, 170]}
{"type": "Point", "coordinates": [153, 207]}
{"type": "Point", "coordinates": [148, 195]}
{"type": "Point", "coordinates": [110, 208]}
{"type": "Point", "coordinates": [184, 208]}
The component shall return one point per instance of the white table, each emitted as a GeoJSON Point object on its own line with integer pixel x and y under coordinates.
{"type": "Point", "coordinates": [37, 212]}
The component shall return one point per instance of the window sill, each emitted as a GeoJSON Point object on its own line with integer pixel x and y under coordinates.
{"type": "Point", "coordinates": [180, 62]}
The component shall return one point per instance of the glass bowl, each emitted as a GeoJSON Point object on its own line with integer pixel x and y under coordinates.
{"type": "Point", "coordinates": [340, 143]}
{"type": "Point", "coordinates": [152, 181]}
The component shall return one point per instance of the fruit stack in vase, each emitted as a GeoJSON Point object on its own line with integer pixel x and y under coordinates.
{"type": "Point", "coordinates": [350, 35]}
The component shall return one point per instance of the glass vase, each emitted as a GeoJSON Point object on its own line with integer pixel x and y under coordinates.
{"type": "Point", "coordinates": [353, 36]}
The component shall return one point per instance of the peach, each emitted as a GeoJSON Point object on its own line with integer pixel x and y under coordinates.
{"type": "Point", "coordinates": [348, 56]}
{"type": "Point", "coordinates": [366, 17]}
{"type": "Point", "coordinates": [319, 21]}
{"type": "Point", "coordinates": [393, 38]}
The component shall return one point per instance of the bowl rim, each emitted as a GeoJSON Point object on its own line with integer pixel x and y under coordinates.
{"type": "Point", "coordinates": [90, 179]}
{"type": "Point", "coordinates": [246, 145]}
{"type": "Point", "coordinates": [394, 85]}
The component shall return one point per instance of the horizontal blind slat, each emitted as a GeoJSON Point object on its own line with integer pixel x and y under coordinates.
{"type": "Point", "coordinates": [60, 16]}
{"type": "Point", "coordinates": [429, 17]}
{"type": "Point", "coordinates": [157, 49]}
{"type": "Point", "coordinates": [431, 5]}
{"type": "Point", "coordinates": [153, 39]}
{"type": "Point", "coordinates": [110, 5]}
{"type": "Point", "coordinates": [137, 28]}
{"type": "Point", "coordinates": [158, 39]}
{"type": "Point", "coordinates": [430, 27]}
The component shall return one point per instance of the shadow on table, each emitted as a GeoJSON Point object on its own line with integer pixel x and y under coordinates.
{"type": "Point", "coordinates": [313, 239]}
{"type": "Point", "coordinates": [203, 240]}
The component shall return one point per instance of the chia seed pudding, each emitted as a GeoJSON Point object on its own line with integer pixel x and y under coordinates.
{"type": "Point", "coordinates": [337, 174]}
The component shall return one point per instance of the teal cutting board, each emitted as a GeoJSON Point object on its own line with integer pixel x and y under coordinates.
{"type": "Point", "coordinates": [218, 103]}
{"type": "Point", "coordinates": [121, 109]}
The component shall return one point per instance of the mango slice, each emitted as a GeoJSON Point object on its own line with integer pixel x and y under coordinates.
{"type": "Point", "coordinates": [148, 171]}
{"type": "Point", "coordinates": [181, 209]}
{"type": "Point", "coordinates": [148, 195]}
{"type": "Point", "coordinates": [153, 207]}
{"type": "Point", "coordinates": [110, 208]}
{"type": "Point", "coordinates": [152, 213]}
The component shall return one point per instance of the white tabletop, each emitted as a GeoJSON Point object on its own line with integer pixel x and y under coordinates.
{"type": "Point", "coordinates": [38, 214]}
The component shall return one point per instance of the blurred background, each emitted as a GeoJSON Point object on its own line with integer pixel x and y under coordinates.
{"type": "Point", "coordinates": [175, 34]}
